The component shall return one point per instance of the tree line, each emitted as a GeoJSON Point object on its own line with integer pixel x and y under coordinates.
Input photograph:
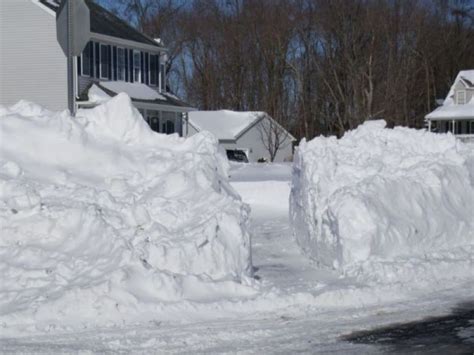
{"type": "Point", "coordinates": [316, 66]}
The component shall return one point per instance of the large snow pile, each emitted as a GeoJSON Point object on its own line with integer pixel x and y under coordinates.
{"type": "Point", "coordinates": [379, 195]}
{"type": "Point", "coordinates": [102, 217]}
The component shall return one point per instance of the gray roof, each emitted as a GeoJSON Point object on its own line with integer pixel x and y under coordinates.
{"type": "Point", "coordinates": [169, 99]}
{"type": "Point", "coordinates": [106, 23]}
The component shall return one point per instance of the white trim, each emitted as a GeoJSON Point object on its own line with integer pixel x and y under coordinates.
{"type": "Point", "coordinates": [100, 61]}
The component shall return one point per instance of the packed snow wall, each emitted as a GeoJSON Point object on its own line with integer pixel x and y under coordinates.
{"type": "Point", "coordinates": [102, 217]}
{"type": "Point", "coordinates": [381, 193]}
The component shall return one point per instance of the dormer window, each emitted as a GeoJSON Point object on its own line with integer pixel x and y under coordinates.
{"type": "Point", "coordinates": [137, 67]}
{"type": "Point", "coordinates": [461, 97]}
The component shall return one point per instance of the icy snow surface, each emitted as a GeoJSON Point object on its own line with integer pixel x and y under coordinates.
{"type": "Point", "coordinates": [387, 205]}
{"type": "Point", "coordinates": [223, 124]}
{"type": "Point", "coordinates": [102, 219]}
{"type": "Point", "coordinates": [299, 308]}
{"type": "Point", "coordinates": [97, 95]}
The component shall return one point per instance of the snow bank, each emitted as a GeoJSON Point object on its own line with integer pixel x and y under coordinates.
{"type": "Point", "coordinates": [102, 218]}
{"type": "Point", "coordinates": [379, 195]}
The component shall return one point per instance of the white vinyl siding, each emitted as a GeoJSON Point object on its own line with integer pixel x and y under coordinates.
{"type": "Point", "coordinates": [32, 64]}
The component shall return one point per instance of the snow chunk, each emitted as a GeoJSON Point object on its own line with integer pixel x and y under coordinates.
{"type": "Point", "coordinates": [97, 95]}
{"type": "Point", "coordinates": [102, 218]}
{"type": "Point", "coordinates": [380, 193]}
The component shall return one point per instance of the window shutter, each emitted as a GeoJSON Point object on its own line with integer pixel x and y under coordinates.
{"type": "Point", "coordinates": [97, 59]}
{"type": "Point", "coordinates": [126, 65]}
{"type": "Point", "coordinates": [91, 58]}
{"type": "Point", "coordinates": [79, 66]}
{"type": "Point", "coordinates": [115, 62]}
{"type": "Point", "coordinates": [142, 66]}
{"type": "Point", "coordinates": [131, 65]}
{"type": "Point", "coordinates": [109, 59]}
{"type": "Point", "coordinates": [162, 78]}
{"type": "Point", "coordinates": [147, 69]}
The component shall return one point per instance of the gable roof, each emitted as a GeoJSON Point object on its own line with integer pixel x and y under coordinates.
{"type": "Point", "coordinates": [450, 109]}
{"type": "Point", "coordinates": [106, 23]}
{"type": "Point", "coordinates": [225, 124]}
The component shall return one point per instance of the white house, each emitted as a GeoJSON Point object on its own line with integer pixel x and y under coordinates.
{"type": "Point", "coordinates": [117, 58]}
{"type": "Point", "coordinates": [456, 115]}
{"type": "Point", "coordinates": [255, 133]}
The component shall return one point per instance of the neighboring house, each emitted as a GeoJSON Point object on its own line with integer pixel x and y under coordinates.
{"type": "Point", "coordinates": [118, 58]}
{"type": "Point", "coordinates": [255, 133]}
{"type": "Point", "coordinates": [456, 114]}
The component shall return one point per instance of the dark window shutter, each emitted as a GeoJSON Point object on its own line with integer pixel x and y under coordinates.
{"type": "Point", "coordinates": [115, 62]}
{"type": "Point", "coordinates": [90, 45]}
{"type": "Point", "coordinates": [142, 66]}
{"type": "Point", "coordinates": [131, 65]}
{"type": "Point", "coordinates": [147, 71]}
{"type": "Point", "coordinates": [109, 59]}
{"type": "Point", "coordinates": [79, 66]}
{"type": "Point", "coordinates": [126, 65]}
{"type": "Point", "coordinates": [97, 59]}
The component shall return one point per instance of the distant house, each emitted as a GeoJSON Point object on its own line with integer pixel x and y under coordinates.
{"type": "Point", "coordinates": [255, 133]}
{"type": "Point", "coordinates": [456, 114]}
{"type": "Point", "coordinates": [118, 58]}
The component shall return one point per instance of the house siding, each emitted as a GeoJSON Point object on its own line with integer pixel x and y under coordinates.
{"type": "Point", "coordinates": [32, 64]}
{"type": "Point", "coordinates": [253, 139]}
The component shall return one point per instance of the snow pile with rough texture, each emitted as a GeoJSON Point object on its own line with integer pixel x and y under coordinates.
{"type": "Point", "coordinates": [101, 218]}
{"type": "Point", "coordinates": [383, 201]}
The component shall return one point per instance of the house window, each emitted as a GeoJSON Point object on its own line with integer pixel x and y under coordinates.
{"type": "Point", "coordinates": [137, 66]}
{"type": "Point", "coordinates": [461, 97]}
{"type": "Point", "coordinates": [120, 64]}
{"type": "Point", "coordinates": [104, 61]}
{"type": "Point", "coordinates": [168, 122]}
{"type": "Point", "coordinates": [86, 60]}
{"type": "Point", "coordinates": [153, 70]}
{"type": "Point", "coordinates": [153, 119]}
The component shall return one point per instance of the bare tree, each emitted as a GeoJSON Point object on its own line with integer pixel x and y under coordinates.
{"type": "Point", "coordinates": [273, 136]}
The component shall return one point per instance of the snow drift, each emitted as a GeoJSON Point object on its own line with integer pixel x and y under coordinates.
{"type": "Point", "coordinates": [381, 194]}
{"type": "Point", "coordinates": [102, 217]}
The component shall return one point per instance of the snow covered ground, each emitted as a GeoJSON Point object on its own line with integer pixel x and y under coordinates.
{"type": "Point", "coordinates": [290, 305]}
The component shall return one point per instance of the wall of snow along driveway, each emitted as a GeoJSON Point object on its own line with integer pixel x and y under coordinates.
{"type": "Point", "coordinates": [101, 217]}
{"type": "Point", "coordinates": [380, 200]}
